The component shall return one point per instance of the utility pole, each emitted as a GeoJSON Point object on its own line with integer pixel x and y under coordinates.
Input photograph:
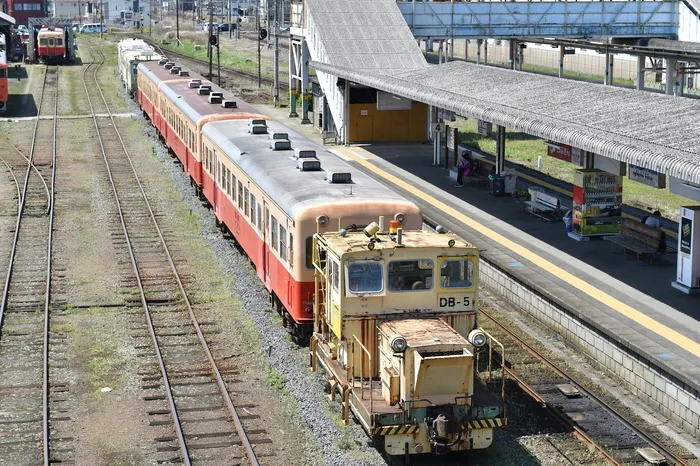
{"type": "Point", "coordinates": [150, 18]}
{"type": "Point", "coordinates": [211, 32]}
{"type": "Point", "coordinates": [218, 56]}
{"type": "Point", "coordinates": [276, 28]}
{"type": "Point", "coordinates": [177, 21]}
{"type": "Point", "coordinates": [257, 20]}
{"type": "Point", "coordinates": [102, 17]}
{"type": "Point", "coordinates": [230, 24]}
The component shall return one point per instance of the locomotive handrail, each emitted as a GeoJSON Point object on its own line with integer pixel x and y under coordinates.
{"type": "Point", "coordinates": [362, 370]}
{"type": "Point", "coordinates": [503, 367]}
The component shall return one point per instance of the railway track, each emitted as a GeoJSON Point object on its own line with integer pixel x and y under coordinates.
{"type": "Point", "coordinates": [284, 86]}
{"type": "Point", "coordinates": [584, 413]}
{"type": "Point", "coordinates": [185, 383]}
{"type": "Point", "coordinates": [26, 295]}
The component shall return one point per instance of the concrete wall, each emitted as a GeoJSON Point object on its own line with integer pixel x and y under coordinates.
{"type": "Point", "coordinates": [660, 390]}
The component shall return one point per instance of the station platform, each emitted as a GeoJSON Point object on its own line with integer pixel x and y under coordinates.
{"type": "Point", "coordinates": [630, 303]}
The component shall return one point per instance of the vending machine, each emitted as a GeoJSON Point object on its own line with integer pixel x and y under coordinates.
{"type": "Point", "coordinates": [688, 268]}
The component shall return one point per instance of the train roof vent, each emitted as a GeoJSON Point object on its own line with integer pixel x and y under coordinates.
{"type": "Point", "coordinates": [203, 91]}
{"type": "Point", "coordinates": [309, 165]}
{"type": "Point", "coordinates": [257, 121]}
{"type": "Point", "coordinates": [274, 135]}
{"type": "Point", "coordinates": [338, 177]}
{"type": "Point", "coordinates": [257, 129]}
{"type": "Point", "coordinates": [280, 144]}
{"type": "Point", "coordinates": [168, 65]}
{"type": "Point", "coordinates": [194, 83]}
{"type": "Point", "coordinates": [205, 86]}
{"type": "Point", "coordinates": [304, 154]}
{"type": "Point", "coordinates": [163, 61]}
{"type": "Point", "coordinates": [215, 99]}
{"type": "Point", "coordinates": [229, 104]}
{"type": "Point", "coordinates": [184, 73]}
{"type": "Point", "coordinates": [175, 70]}
{"type": "Point", "coordinates": [217, 94]}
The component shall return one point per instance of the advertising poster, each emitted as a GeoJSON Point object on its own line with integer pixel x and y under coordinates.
{"type": "Point", "coordinates": [686, 234]}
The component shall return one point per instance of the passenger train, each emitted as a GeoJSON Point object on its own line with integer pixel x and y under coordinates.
{"type": "Point", "coordinates": [131, 52]}
{"type": "Point", "coordinates": [4, 90]}
{"type": "Point", "coordinates": [51, 44]}
{"type": "Point", "coordinates": [389, 311]}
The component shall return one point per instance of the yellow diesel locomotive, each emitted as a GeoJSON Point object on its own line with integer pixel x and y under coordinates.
{"type": "Point", "coordinates": [395, 328]}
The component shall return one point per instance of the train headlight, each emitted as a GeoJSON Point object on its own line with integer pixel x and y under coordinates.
{"type": "Point", "coordinates": [477, 338]}
{"type": "Point", "coordinates": [322, 220]}
{"type": "Point", "coordinates": [400, 218]}
{"type": "Point", "coordinates": [398, 344]}
{"type": "Point", "coordinates": [451, 243]}
{"type": "Point", "coordinates": [370, 246]}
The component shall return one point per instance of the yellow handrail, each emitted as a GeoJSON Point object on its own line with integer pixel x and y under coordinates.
{"type": "Point", "coordinates": [362, 370]}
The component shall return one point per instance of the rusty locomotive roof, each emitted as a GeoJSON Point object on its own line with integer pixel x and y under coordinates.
{"type": "Point", "coordinates": [423, 332]}
{"type": "Point", "coordinates": [358, 241]}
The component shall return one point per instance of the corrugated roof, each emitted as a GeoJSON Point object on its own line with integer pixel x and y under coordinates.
{"type": "Point", "coordinates": [6, 18]}
{"type": "Point", "coordinates": [654, 131]}
{"type": "Point", "coordinates": [275, 172]}
{"type": "Point", "coordinates": [365, 35]}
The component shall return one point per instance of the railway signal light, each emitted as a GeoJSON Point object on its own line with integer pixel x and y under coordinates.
{"type": "Point", "coordinates": [263, 34]}
{"type": "Point", "coordinates": [214, 40]}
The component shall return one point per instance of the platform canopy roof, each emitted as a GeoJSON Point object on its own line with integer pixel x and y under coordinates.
{"type": "Point", "coordinates": [650, 130]}
{"type": "Point", "coordinates": [6, 19]}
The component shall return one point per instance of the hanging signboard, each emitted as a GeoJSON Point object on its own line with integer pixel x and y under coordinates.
{"type": "Point", "coordinates": [446, 115]}
{"type": "Point", "coordinates": [684, 188]}
{"type": "Point", "coordinates": [386, 101]}
{"type": "Point", "coordinates": [614, 167]}
{"type": "Point", "coordinates": [484, 127]}
{"type": "Point", "coordinates": [647, 176]}
{"type": "Point", "coordinates": [577, 156]}
{"type": "Point", "coordinates": [558, 151]}
{"type": "Point", "coordinates": [451, 138]}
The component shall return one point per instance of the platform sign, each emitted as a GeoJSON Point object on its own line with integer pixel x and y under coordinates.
{"type": "Point", "coordinates": [577, 156]}
{"type": "Point", "coordinates": [484, 128]}
{"type": "Point", "coordinates": [558, 151]}
{"type": "Point", "coordinates": [647, 176]}
{"type": "Point", "coordinates": [446, 115]}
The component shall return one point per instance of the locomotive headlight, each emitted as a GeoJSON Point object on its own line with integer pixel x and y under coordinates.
{"type": "Point", "coordinates": [477, 338]}
{"type": "Point", "coordinates": [370, 246]}
{"type": "Point", "coordinates": [398, 344]}
{"type": "Point", "coordinates": [322, 220]}
{"type": "Point", "coordinates": [451, 243]}
{"type": "Point", "coordinates": [400, 218]}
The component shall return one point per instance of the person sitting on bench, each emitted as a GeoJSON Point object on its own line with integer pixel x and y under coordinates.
{"type": "Point", "coordinates": [465, 167]}
{"type": "Point", "coordinates": [653, 220]}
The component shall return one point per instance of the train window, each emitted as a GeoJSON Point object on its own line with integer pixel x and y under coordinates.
{"type": "Point", "coordinates": [335, 275]}
{"type": "Point", "coordinates": [283, 242]}
{"type": "Point", "coordinates": [59, 41]}
{"type": "Point", "coordinates": [2, 73]}
{"type": "Point", "coordinates": [240, 195]}
{"type": "Point", "coordinates": [227, 181]}
{"type": "Point", "coordinates": [259, 218]}
{"type": "Point", "coordinates": [309, 252]}
{"type": "Point", "coordinates": [365, 277]}
{"type": "Point", "coordinates": [253, 205]}
{"type": "Point", "coordinates": [233, 188]}
{"type": "Point", "coordinates": [410, 275]}
{"type": "Point", "coordinates": [273, 234]}
{"type": "Point", "coordinates": [457, 273]}
{"type": "Point", "coordinates": [43, 42]}
{"type": "Point", "coordinates": [291, 249]}
{"type": "Point", "coordinates": [245, 202]}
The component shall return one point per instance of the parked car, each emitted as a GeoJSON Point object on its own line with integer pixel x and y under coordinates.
{"type": "Point", "coordinates": [22, 29]}
{"type": "Point", "coordinates": [92, 28]}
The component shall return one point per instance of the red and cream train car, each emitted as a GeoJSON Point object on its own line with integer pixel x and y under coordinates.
{"type": "Point", "coordinates": [169, 98]}
{"type": "Point", "coordinates": [269, 205]}
{"type": "Point", "coordinates": [275, 189]}
{"type": "Point", "coordinates": [51, 44]}
{"type": "Point", "coordinates": [4, 91]}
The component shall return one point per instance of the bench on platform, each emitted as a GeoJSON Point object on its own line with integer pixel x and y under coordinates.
{"type": "Point", "coordinates": [328, 135]}
{"type": "Point", "coordinates": [545, 206]}
{"type": "Point", "coordinates": [638, 238]}
{"type": "Point", "coordinates": [476, 180]}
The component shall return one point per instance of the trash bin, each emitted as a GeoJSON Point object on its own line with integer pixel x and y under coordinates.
{"type": "Point", "coordinates": [496, 184]}
{"type": "Point", "coordinates": [568, 222]}
{"type": "Point", "coordinates": [511, 178]}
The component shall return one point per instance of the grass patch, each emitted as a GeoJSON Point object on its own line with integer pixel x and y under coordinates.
{"type": "Point", "coordinates": [242, 60]}
{"type": "Point", "coordinates": [525, 149]}
{"type": "Point", "coordinates": [103, 364]}
{"type": "Point", "coordinates": [275, 380]}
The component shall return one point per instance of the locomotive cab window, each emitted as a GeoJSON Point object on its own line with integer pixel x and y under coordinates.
{"type": "Point", "coordinates": [59, 41]}
{"type": "Point", "coordinates": [309, 252]}
{"type": "Point", "coordinates": [457, 273]}
{"type": "Point", "coordinates": [43, 42]}
{"type": "Point", "coordinates": [411, 275]}
{"type": "Point", "coordinates": [365, 277]}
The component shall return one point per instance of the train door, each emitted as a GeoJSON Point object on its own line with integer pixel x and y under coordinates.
{"type": "Point", "coordinates": [265, 245]}
{"type": "Point", "coordinates": [52, 47]}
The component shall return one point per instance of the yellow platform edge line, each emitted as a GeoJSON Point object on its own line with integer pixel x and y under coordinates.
{"type": "Point", "coordinates": [614, 303]}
